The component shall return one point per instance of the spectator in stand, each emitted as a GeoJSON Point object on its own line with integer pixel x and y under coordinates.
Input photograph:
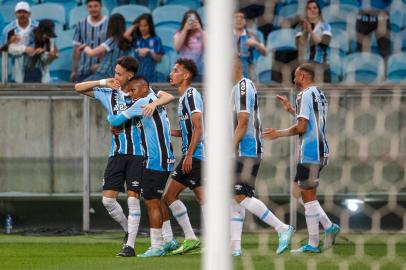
{"type": "Point", "coordinates": [245, 43]}
{"type": "Point", "coordinates": [373, 16]}
{"type": "Point", "coordinates": [115, 46]}
{"type": "Point", "coordinates": [313, 39]}
{"type": "Point", "coordinates": [91, 31]}
{"type": "Point", "coordinates": [43, 38]}
{"type": "Point", "coordinates": [189, 41]}
{"type": "Point", "coordinates": [16, 38]}
{"type": "Point", "coordinates": [146, 44]}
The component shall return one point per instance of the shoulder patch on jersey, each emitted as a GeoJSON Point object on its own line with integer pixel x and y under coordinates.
{"type": "Point", "coordinates": [189, 92]}
{"type": "Point", "coordinates": [243, 88]}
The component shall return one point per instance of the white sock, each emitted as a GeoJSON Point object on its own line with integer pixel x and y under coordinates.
{"type": "Point", "coordinates": [312, 220]}
{"type": "Point", "coordinates": [179, 211]}
{"type": "Point", "coordinates": [259, 209]}
{"type": "Point", "coordinates": [156, 238]}
{"type": "Point", "coordinates": [134, 216]}
{"type": "Point", "coordinates": [236, 225]}
{"type": "Point", "coordinates": [115, 211]}
{"type": "Point", "coordinates": [324, 220]}
{"type": "Point", "coordinates": [167, 233]}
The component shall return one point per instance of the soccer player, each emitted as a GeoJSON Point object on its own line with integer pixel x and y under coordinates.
{"type": "Point", "coordinates": [188, 171]}
{"type": "Point", "coordinates": [247, 142]}
{"type": "Point", "coordinates": [159, 160]}
{"type": "Point", "coordinates": [125, 162]}
{"type": "Point", "coordinates": [91, 31]}
{"type": "Point", "coordinates": [311, 114]}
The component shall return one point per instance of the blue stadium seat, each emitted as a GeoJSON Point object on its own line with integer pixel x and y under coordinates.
{"type": "Point", "coordinates": [166, 34]}
{"type": "Point", "coordinates": [51, 11]}
{"type": "Point", "coordinates": [363, 68]}
{"type": "Point", "coordinates": [264, 69]}
{"type": "Point", "coordinates": [281, 40]}
{"type": "Point", "coordinates": [190, 4]}
{"type": "Point", "coordinates": [398, 41]}
{"type": "Point", "coordinates": [130, 12]}
{"type": "Point", "coordinates": [340, 16]}
{"type": "Point", "coordinates": [336, 69]}
{"type": "Point", "coordinates": [169, 15]}
{"type": "Point", "coordinates": [61, 67]}
{"type": "Point", "coordinates": [7, 11]}
{"type": "Point", "coordinates": [14, 2]}
{"type": "Point", "coordinates": [340, 42]}
{"type": "Point", "coordinates": [64, 39]}
{"type": "Point", "coordinates": [163, 68]}
{"type": "Point", "coordinates": [397, 16]}
{"type": "Point", "coordinates": [396, 70]}
{"type": "Point", "coordinates": [288, 12]}
{"type": "Point", "coordinates": [79, 13]}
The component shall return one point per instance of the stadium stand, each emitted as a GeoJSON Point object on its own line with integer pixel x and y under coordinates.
{"type": "Point", "coordinates": [130, 12]}
{"type": "Point", "coordinates": [396, 70]}
{"type": "Point", "coordinates": [363, 68]}
{"type": "Point", "coordinates": [169, 16]}
{"type": "Point", "coordinates": [79, 13]}
{"type": "Point", "coordinates": [190, 4]}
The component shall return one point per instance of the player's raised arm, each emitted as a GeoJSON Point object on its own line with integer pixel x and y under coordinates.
{"type": "Point", "coordinates": [286, 104]}
{"type": "Point", "coordinates": [163, 99]}
{"type": "Point", "coordinates": [86, 88]}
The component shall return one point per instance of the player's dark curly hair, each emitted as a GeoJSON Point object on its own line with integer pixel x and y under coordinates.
{"type": "Point", "coordinates": [129, 63]}
{"type": "Point", "coordinates": [189, 65]}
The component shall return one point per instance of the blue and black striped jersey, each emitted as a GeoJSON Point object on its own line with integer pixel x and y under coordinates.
{"type": "Point", "coordinates": [154, 132]}
{"type": "Point", "coordinates": [190, 102]}
{"type": "Point", "coordinates": [312, 105]}
{"type": "Point", "coordinates": [115, 101]}
{"type": "Point", "coordinates": [245, 99]}
{"type": "Point", "coordinates": [93, 35]}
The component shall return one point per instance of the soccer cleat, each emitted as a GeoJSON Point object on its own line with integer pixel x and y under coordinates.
{"type": "Point", "coordinates": [330, 235]}
{"type": "Point", "coordinates": [187, 245]}
{"type": "Point", "coordinates": [127, 251]}
{"type": "Point", "coordinates": [236, 253]}
{"type": "Point", "coordinates": [284, 240]}
{"type": "Point", "coordinates": [125, 239]}
{"type": "Point", "coordinates": [306, 249]}
{"type": "Point", "coordinates": [152, 252]}
{"type": "Point", "coordinates": [170, 246]}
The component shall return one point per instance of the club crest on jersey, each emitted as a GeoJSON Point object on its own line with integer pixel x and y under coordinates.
{"type": "Point", "coordinates": [189, 93]}
{"type": "Point", "coordinates": [243, 88]}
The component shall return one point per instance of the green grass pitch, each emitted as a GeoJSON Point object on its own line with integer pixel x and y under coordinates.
{"type": "Point", "coordinates": [97, 251]}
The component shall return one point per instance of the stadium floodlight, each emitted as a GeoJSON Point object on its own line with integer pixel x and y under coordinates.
{"type": "Point", "coordinates": [354, 205]}
{"type": "Point", "coordinates": [217, 170]}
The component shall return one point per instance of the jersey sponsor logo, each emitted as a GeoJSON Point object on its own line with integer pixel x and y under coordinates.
{"type": "Point", "coordinates": [120, 107]}
{"type": "Point", "coordinates": [170, 160]}
{"type": "Point", "coordinates": [184, 117]}
{"type": "Point", "coordinates": [243, 88]}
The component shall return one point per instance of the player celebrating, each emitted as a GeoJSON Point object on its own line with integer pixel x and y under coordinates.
{"type": "Point", "coordinates": [311, 114]}
{"type": "Point", "coordinates": [247, 142]}
{"type": "Point", "coordinates": [125, 162]}
{"type": "Point", "coordinates": [188, 171]}
{"type": "Point", "coordinates": [159, 159]}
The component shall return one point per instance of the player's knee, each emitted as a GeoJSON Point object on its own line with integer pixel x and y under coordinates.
{"type": "Point", "coordinates": [169, 198]}
{"type": "Point", "coordinates": [109, 203]}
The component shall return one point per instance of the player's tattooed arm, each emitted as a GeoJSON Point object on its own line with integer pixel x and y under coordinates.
{"type": "Point", "coordinates": [286, 104]}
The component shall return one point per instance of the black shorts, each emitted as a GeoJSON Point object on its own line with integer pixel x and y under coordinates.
{"type": "Point", "coordinates": [122, 169]}
{"type": "Point", "coordinates": [191, 180]}
{"type": "Point", "coordinates": [153, 184]}
{"type": "Point", "coordinates": [246, 171]}
{"type": "Point", "coordinates": [307, 175]}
